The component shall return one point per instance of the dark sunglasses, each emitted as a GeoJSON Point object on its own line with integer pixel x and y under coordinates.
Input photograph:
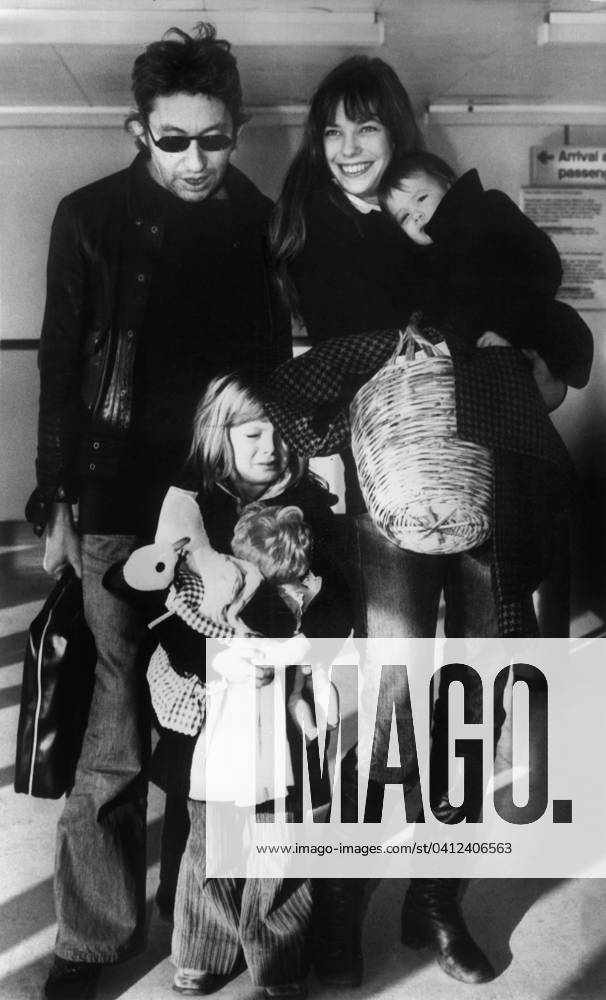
{"type": "Point", "coordinates": [211, 143]}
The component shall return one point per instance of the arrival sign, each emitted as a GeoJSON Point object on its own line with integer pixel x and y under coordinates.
{"type": "Point", "coordinates": [568, 165]}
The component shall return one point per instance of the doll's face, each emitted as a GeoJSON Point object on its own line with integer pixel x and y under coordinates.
{"type": "Point", "coordinates": [413, 202]}
{"type": "Point", "coordinates": [260, 456]}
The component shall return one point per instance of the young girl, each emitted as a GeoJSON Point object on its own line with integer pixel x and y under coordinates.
{"type": "Point", "coordinates": [237, 458]}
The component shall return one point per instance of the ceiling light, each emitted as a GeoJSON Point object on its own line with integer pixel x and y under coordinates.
{"type": "Point", "coordinates": [570, 28]}
{"type": "Point", "coordinates": [105, 23]}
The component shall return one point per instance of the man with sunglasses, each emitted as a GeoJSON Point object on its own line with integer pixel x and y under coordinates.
{"type": "Point", "coordinates": [157, 281]}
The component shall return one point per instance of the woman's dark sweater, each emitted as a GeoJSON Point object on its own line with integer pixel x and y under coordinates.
{"type": "Point", "coordinates": [356, 272]}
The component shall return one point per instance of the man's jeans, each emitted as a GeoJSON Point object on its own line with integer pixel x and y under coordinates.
{"type": "Point", "coordinates": [100, 861]}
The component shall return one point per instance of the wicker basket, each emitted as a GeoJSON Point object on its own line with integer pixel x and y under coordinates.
{"type": "Point", "coordinates": [425, 489]}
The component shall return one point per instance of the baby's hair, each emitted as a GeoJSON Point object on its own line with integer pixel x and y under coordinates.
{"type": "Point", "coordinates": [276, 539]}
{"type": "Point", "coordinates": [407, 166]}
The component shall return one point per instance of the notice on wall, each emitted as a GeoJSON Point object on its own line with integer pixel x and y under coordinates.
{"type": "Point", "coordinates": [571, 166]}
{"type": "Point", "coordinates": [575, 219]}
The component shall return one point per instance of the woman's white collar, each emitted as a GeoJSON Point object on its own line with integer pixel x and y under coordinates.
{"type": "Point", "coordinates": [362, 206]}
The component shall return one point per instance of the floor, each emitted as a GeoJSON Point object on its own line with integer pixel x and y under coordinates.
{"type": "Point", "coordinates": [546, 938]}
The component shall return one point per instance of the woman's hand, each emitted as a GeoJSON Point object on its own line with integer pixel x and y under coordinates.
{"type": "Point", "coordinates": [62, 542]}
{"type": "Point", "coordinates": [492, 339]}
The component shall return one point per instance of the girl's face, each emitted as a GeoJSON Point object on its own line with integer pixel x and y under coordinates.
{"type": "Point", "coordinates": [260, 456]}
{"type": "Point", "coordinates": [357, 153]}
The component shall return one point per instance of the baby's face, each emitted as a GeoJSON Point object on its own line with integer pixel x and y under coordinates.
{"type": "Point", "coordinates": [413, 203]}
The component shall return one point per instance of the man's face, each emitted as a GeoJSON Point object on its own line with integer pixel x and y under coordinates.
{"type": "Point", "coordinates": [193, 174]}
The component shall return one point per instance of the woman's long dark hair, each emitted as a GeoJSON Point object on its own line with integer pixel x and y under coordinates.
{"type": "Point", "coordinates": [368, 88]}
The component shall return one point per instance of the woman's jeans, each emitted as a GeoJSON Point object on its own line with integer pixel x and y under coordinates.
{"type": "Point", "coordinates": [100, 861]}
{"type": "Point", "coordinates": [398, 598]}
{"type": "Point", "coordinates": [399, 591]}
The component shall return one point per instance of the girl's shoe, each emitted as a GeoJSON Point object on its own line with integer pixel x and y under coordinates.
{"type": "Point", "coordinates": [291, 991]}
{"type": "Point", "coordinates": [197, 982]}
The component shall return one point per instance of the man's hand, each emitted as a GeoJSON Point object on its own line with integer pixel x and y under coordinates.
{"type": "Point", "coordinates": [552, 389]}
{"type": "Point", "coordinates": [62, 542]}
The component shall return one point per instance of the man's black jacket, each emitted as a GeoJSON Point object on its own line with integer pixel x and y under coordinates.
{"type": "Point", "coordinates": [105, 241]}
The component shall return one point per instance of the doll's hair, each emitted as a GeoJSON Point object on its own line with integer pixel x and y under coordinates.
{"type": "Point", "coordinates": [420, 162]}
{"type": "Point", "coordinates": [277, 540]}
{"type": "Point", "coordinates": [229, 401]}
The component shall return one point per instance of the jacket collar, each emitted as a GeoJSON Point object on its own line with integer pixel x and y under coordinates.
{"type": "Point", "coordinates": [458, 205]}
{"type": "Point", "coordinates": [274, 490]}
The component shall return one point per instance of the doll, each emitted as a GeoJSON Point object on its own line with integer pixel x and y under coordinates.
{"type": "Point", "coordinates": [263, 589]}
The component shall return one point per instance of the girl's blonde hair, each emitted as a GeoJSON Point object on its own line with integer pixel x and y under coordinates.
{"type": "Point", "coordinates": [229, 400]}
{"type": "Point", "coordinates": [275, 539]}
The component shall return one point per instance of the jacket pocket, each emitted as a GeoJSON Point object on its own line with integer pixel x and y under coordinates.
{"type": "Point", "coordinates": [95, 365]}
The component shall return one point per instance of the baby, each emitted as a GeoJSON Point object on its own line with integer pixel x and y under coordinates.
{"type": "Point", "coordinates": [487, 270]}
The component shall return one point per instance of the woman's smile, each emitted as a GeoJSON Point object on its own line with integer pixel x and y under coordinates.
{"type": "Point", "coordinates": [355, 169]}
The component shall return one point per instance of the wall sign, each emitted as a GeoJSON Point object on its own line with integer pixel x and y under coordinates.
{"type": "Point", "coordinates": [575, 219]}
{"type": "Point", "coordinates": [568, 165]}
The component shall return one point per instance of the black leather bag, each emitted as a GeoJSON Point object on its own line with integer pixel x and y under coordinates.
{"type": "Point", "coordinates": [58, 678]}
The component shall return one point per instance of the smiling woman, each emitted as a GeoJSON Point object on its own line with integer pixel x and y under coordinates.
{"type": "Point", "coordinates": [359, 119]}
{"type": "Point", "coordinates": [348, 269]}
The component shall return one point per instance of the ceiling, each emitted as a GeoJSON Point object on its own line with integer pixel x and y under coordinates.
{"type": "Point", "coordinates": [441, 48]}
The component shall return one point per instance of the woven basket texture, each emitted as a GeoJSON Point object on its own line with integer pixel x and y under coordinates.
{"type": "Point", "coordinates": [426, 490]}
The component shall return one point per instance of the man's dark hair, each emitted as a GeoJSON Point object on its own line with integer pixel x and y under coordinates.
{"type": "Point", "coordinates": [179, 63]}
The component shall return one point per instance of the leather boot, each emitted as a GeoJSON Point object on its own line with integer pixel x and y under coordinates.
{"type": "Point", "coordinates": [431, 916]}
{"type": "Point", "coordinates": [337, 951]}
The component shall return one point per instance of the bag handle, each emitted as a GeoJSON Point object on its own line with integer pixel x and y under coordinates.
{"type": "Point", "coordinates": [408, 341]}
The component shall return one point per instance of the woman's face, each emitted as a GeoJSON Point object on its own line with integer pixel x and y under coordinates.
{"type": "Point", "coordinates": [260, 456]}
{"type": "Point", "coordinates": [357, 153]}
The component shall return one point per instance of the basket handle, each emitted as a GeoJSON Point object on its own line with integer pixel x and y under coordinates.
{"type": "Point", "coordinates": [409, 340]}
